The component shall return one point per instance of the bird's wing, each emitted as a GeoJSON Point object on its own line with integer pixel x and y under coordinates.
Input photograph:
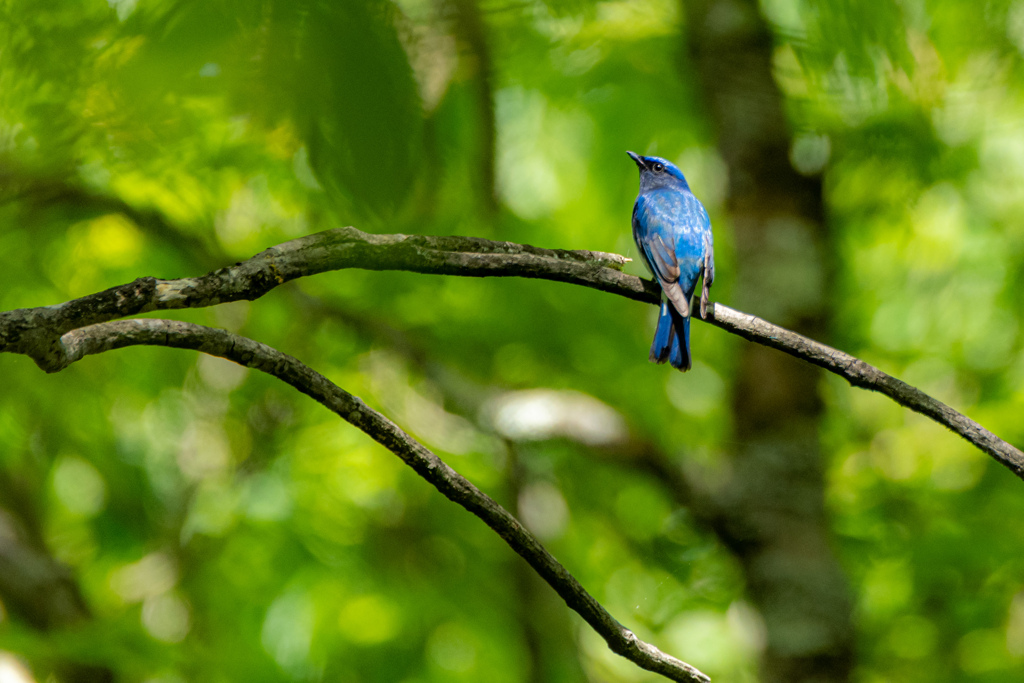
{"type": "Point", "coordinates": [654, 234]}
{"type": "Point", "coordinates": [708, 272]}
{"type": "Point", "coordinates": [707, 267]}
{"type": "Point", "coordinates": [668, 274]}
{"type": "Point", "coordinates": [639, 234]}
{"type": "Point", "coordinates": [709, 256]}
{"type": "Point", "coordinates": [649, 226]}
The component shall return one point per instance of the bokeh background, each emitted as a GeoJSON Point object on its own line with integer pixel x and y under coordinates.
{"type": "Point", "coordinates": [167, 517]}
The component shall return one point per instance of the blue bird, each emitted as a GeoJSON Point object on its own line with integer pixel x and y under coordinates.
{"type": "Point", "coordinates": [672, 230]}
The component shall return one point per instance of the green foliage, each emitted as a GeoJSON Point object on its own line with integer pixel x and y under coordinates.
{"type": "Point", "coordinates": [222, 527]}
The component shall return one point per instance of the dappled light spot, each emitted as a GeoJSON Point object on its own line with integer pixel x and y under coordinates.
{"type": "Point", "coordinates": [370, 619]}
{"type": "Point", "coordinates": [303, 171]}
{"type": "Point", "coordinates": [748, 626]}
{"type": "Point", "coordinates": [12, 670]}
{"type": "Point", "coordinates": [266, 497]}
{"type": "Point", "coordinates": [536, 142]}
{"type": "Point", "coordinates": [249, 216]}
{"type": "Point", "coordinates": [433, 55]}
{"type": "Point", "coordinates": [288, 631]}
{"type": "Point", "coordinates": [939, 220]}
{"type": "Point", "coordinates": [699, 392]}
{"type": "Point", "coordinates": [416, 404]}
{"type": "Point", "coordinates": [221, 374]}
{"type": "Point", "coordinates": [124, 8]}
{"type": "Point", "coordinates": [1015, 627]}
{"type": "Point", "coordinates": [213, 510]}
{"type": "Point", "coordinates": [113, 240]}
{"type": "Point", "coordinates": [166, 617]}
{"type": "Point", "coordinates": [79, 486]}
{"type": "Point", "coordinates": [809, 153]}
{"type": "Point", "coordinates": [887, 588]}
{"type": "Point", "coordinates": [539, 414]}
{"type": "Point", "coordinates": [543, 510]}
{"type": "Point", "coordinates": [707, 640]}
{"type": "Point", "coordinates": [204, 450]}
{"type": "Point", "coordinates": [153, 575]}
{"type": "Point", "coordinates": [232, 316]}
{"type": "Point", "coordinates": [708, 175]}
{"type": "Point", "coordinates": [637, 19]}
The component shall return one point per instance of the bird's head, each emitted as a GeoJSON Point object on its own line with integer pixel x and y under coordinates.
{"type": "Point", "coordinates": [656, 172]}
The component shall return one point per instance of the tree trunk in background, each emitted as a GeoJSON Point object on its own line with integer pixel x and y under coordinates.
{"type": "Point", "coordinates": [39, 589]}
{"type": "Point", "coordinates": [771, 513]}
{"type": "Point", "coordinates": [470, 27]}
{"type": "Point", "coordinates": [547, 628]}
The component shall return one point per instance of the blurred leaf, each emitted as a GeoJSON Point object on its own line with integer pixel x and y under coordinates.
{"type": "Point", "coordinates": [339, 70]}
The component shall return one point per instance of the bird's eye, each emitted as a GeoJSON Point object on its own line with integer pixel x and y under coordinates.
{"type": "Point", "coordinates": [658, 168]}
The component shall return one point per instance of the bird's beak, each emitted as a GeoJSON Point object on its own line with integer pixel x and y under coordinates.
{"type": "Point", "coordinates": [637, 158]}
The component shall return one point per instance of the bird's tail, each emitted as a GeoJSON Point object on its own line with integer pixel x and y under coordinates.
{"type": "Point", "coordinates": [672, 338]}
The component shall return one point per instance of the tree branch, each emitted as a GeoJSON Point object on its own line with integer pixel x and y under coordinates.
{"type": "Point", "coordinates": [36, 331]}
{"type": "Point", "coordinates": [861, 374]}
{"type": "Point", "coordinates": [95, 339]}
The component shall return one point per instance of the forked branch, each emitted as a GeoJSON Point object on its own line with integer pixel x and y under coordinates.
{"type": "Point", "coordinates": [36, 331]}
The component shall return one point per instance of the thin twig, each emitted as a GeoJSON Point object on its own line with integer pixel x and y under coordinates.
{"type": "Point", "coordinates": [36, 331]}
{"type": "Point", "coordinates": [96, 339]}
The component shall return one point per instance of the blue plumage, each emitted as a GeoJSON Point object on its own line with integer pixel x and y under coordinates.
{"type": "Point", "coordinates": [673, 233]}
